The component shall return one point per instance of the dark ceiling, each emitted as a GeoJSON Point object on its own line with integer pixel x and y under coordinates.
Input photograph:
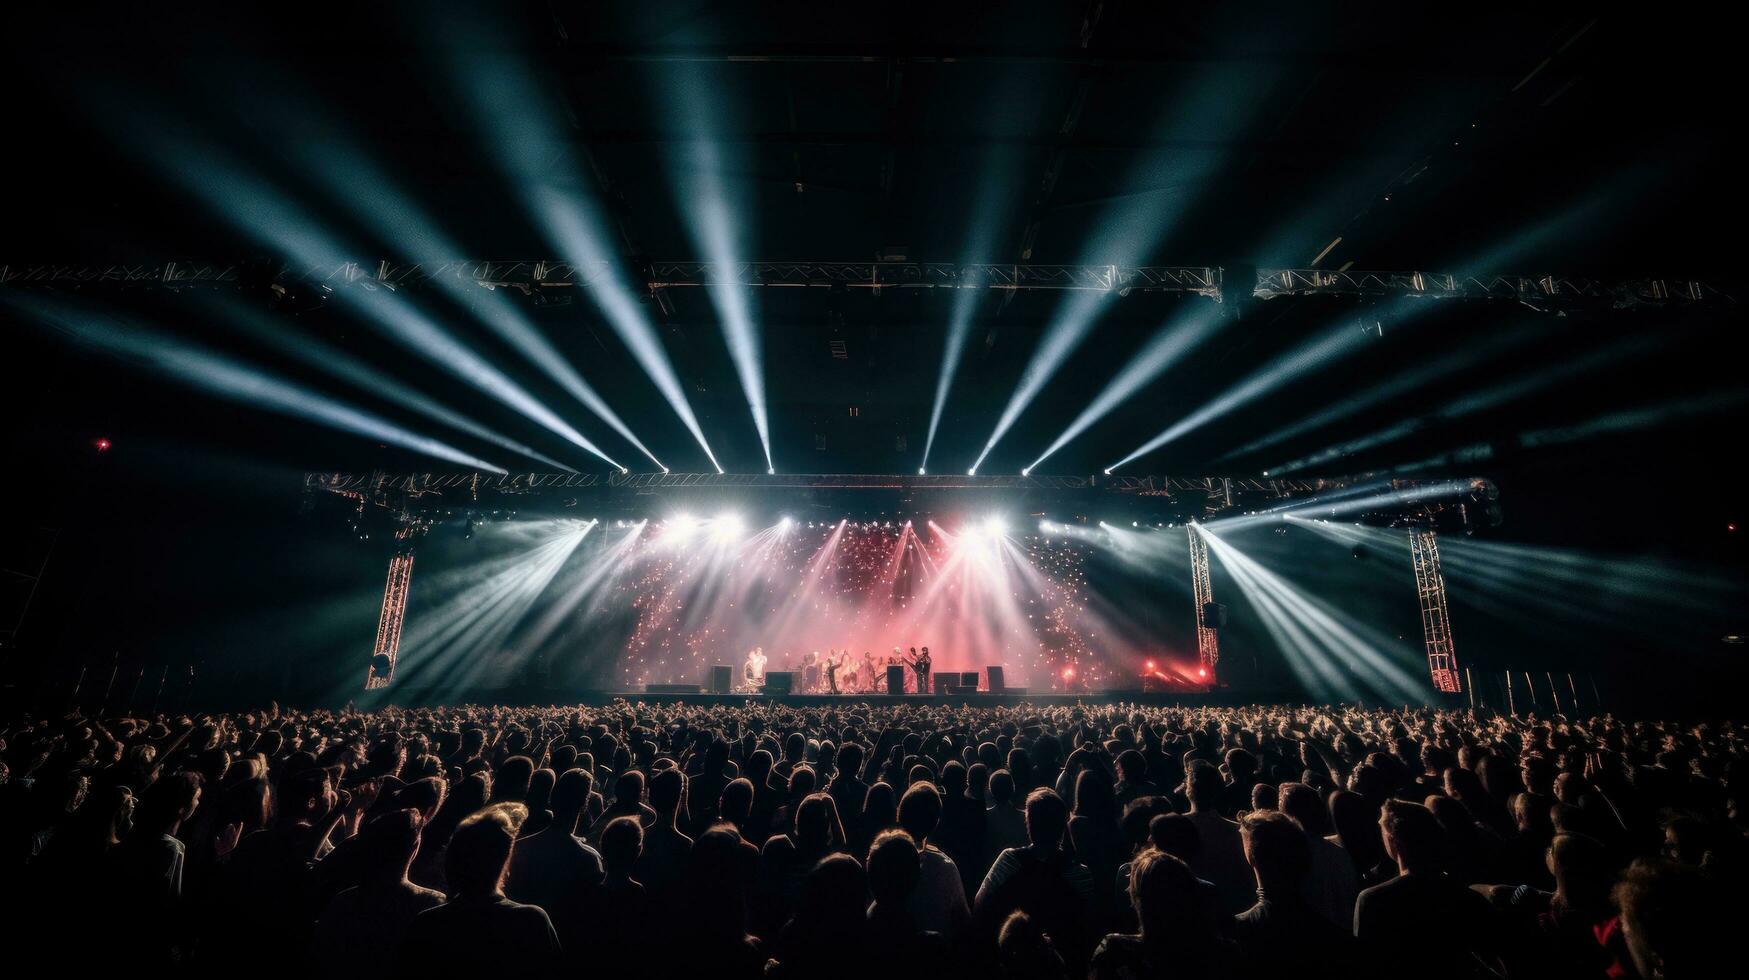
{"type": "Point", "coordinates": [1218, 134]}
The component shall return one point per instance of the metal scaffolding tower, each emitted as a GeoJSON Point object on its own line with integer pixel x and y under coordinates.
{"type": "Point", "coordinates": [389, 623]}
{"type": "Point", "coordinates": [1435, 616]}
{"type": "Point", "coordinates": [1208, 649]}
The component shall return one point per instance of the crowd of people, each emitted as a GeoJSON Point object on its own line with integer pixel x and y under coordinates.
{"type": "Point", "coordinates": [860, 840]}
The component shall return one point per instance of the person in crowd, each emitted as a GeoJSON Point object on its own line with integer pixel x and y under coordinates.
{"type": "Point", "coordinates": [1332, 883]}
{"type": "Point", "coordinates": [1004, 823]}
{"type": "Point", "coordinates": [938, 904]}
{"type": "Point", "coordinates": [1393, 918]}
{"type": "Point", "coordinates": [663, 863]}
{"type": "Point", "coordinates": [362, 930]}
{"type": "Point", "coordinates": [827, 933]}
{"type": "Point", "coordinates": [1171, 941]}
{"type": "Point", "coordinates": [1042, 880]}
{"type": "Point", "coordinates": [1451, 842]}
{"type": "Point", "coordinates": [1283, 929]}
{"type": "Point", "coordinates": [1221, 855]}
{"type": "Point", "coordinates": [554, 869]}
{"type": "Point", "coordinates": [478, 930]}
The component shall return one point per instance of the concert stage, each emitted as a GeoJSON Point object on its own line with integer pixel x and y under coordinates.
{"type": "Point", "coordinates": [1219, 697]}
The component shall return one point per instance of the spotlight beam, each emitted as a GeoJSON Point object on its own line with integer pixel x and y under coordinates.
{"type": "Point", "coordinates": [338, 364]}
{"type": "Point", "coordinates": [353, 177]}
{"type": "Point", "coordinates": [1066, 333]}
{"type": "Point", "coordinates": [1480, 401]}
{"type": "Point", "coordinates": [519, 123]}
{"type": "Point", "coordinates": [959, 327]}
{"type": "Point", "coordinates": [1135, 226]}
{"type": "Point", "coordinates": [1303, 360]}
{"type": "Point", "coordinates": [994, 189]}
{"type": "Point", "coordinates": [713, 223]}
{"type": "Point", "coordinates": [232, 380]}
{"type": "Point", "coordinates": [1165, 349]}
{"type": "Point", "coordinates": [1396, 386]}
{"type": "Point", "coordinates": [257, 208]}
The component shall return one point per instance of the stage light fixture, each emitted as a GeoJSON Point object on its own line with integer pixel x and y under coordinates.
{"type": "Point", "coordinates": [995, 527]}
{"type": "Point", "coordinates": [727, 526]}
{"type": "Point", "coordinates": [102, 445]}
{"type": "Point", "coordinates": [921, 471]}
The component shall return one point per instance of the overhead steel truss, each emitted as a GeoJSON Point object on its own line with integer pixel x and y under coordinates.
{"type": "Point", "coordinates": [416, 483]}
{"type": "Point", "coordinates": [1442, 663]}
{"type": "Point", "coordinates": [534, 276]}
{"type": "Point", "coordinates": [389, 622]}
{"type": "Point", "coordinates": [1550, 290]}
{"type": "Point", "coordinates": [1208, 644]}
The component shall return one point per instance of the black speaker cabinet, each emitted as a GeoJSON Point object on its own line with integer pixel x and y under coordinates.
{"type": "Point", "coordinates": [995, 674]}
{"type": "Point", "coordinates": [779, 681]}
{"type": "Point", "coordinates": [895, 679]}
{"type": "Point", "coordinates": [969, 680]}
{"type": "Point", "coordinates": [721, 676]}
{"type": "Point", "coordinates": [1214, 615]}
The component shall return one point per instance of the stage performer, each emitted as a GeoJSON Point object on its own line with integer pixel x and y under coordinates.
{"type": "Point", "coordinates": [920, 667]}
{"type": "Point", "coordinates": [753, 673]}
{"type": "Point", "coordinates": [811, 671]}
{"type": "Point", "coordinates": [833, 662]}
{"type": "Point", "coordinates": [868, 671]}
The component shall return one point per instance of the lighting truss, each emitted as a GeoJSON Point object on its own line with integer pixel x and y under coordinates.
{"type": "Point", "coordinates": [1538, 291]}
{"type": "Point", "coordinates": [1442, 663]}
{"type": "Point", "coordinates": [1208, 647]}
{"type": "Point", "coordinates": [394, 613]}
{"type": "Point", "coordinates": [538, 275]}
{"type": "Point", "coordinates": [1218, 488]}
{"type": "Point", "coordinates": [530, 275]}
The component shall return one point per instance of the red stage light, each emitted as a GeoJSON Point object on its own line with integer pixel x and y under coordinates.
{"type": "Point", "coordinates": [1202, 672]}
{"type": "Point", "coordinates": [1068, 673]}
{"type": "Point", "coordinates": [1150, 666]}
{"type": "Point", "coordinates": [102, 445]}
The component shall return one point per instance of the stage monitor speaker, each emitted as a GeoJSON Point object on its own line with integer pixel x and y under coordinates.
{"type": "Point", "coordinates": [671, 689]}
{"type": "Point", "coordinates": [995, 674]}
{"type": "Point", "coordinates": [779, 681]}
{"type": "Point", "coordinates": [1214, 615]}
{"type": "Point", "coordinates": [944, 683]}
{"type": "Point", "coordinates": [895, 679]}
{"type": "Point", "coordinates": [969, 680]}
{"type": "Point", "coordinates": [721, 675]}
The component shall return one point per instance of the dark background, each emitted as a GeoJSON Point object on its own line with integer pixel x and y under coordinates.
{"type": "Point", "coordinates": [1550, 140]}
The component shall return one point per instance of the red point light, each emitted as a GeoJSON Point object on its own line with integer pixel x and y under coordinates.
{"type": "Point", "coordinates": [1150, 666]}
{"type": "Point", "coordinates": [1202, 672]}
{"type": "Point", "coordinates": [1068, 673]}
{"type": "Point", "coordinates": [102, 445]}
{"type": "Point", "coordinates": [1731, 526]}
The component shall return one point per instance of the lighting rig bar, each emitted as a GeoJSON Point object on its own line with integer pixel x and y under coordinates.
{"type": "Point", "coordinates": [532, 276]}
{"type": "Point", "coordinates": [1143, 486]}
{"type": "Point", "coordinates": [1539, 291]}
